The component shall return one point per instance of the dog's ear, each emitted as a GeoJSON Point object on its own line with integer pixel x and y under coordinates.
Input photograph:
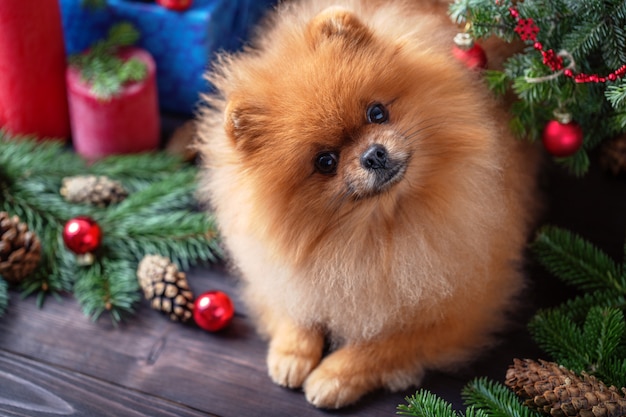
{"type": "Point", "coordinates": [243, 122]}
{"type": "Point", "coordinates": [336, 22]}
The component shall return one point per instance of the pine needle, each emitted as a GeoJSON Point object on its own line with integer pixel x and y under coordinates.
{"type": "Point", "coordinates": [576, 261]}
{"type": "Point", "coordinates": [4, 296]}
{"type": "Point", "coordinates": [103, 70]}
{"type": "Point", "coordinates": [426, 404]}
{"type": "Point", "coordinates": [561, 338]}
{"type": "Point", "coordinates": [495, 399]}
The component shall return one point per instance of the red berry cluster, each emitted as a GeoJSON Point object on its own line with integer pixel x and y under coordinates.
{"type": "Point", "coordinates": [528, 31]}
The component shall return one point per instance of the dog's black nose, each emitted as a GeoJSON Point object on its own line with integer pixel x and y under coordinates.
{"type": "Point", "coordinates": [375, 157]}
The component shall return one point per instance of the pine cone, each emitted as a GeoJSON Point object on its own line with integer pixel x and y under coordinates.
{"type": "Point", "coordinates": [20, 249]}
{"type": "Point", "coordinates": [559, 392]}
{"type": "Point", "coordinates": [165, 287]}
{"type": "Point", "coordinates": [90, 189]}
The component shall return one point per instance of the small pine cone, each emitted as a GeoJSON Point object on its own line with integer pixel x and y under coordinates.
{"type": "Point", "coordinates": [20, 249]}
{"type": "Point", "coordinates": [165, 287]}
{"type": "Point", "coordinates": [90, 189]}
{"type": "Point", "coordinates": [613, 155]}
{"type": "Point", "coordinates": [559, 392]}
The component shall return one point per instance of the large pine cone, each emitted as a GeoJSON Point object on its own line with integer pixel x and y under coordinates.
{"type": "Point", "coordinates": [559, 392]}
{"type": "Point", "coordinates": [165, 287]}
{"type": "Point", "coordinates": [90, 189]}
{"type": "Point", "coordinates": [20, 249]}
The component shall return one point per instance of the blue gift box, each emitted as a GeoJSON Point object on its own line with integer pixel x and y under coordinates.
{"type": "Point", "coordinates": [83, 25]}
{"type": "Point", "coordinates": [182, 43]}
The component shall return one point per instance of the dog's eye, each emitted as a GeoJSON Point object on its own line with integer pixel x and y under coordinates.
{"type": "Point", "coordinates": [326, 162]}
{"type": "Point", "coordinates": [377, 113]}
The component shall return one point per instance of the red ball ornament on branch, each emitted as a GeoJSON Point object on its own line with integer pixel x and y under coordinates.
{"type": "Point", "coordinates": [82, 235]}
{"type": "Point", "coordinates": [562, 137]}
{"type": "Point", "coordinates": [213, 310]}
{"type": "Point", "coordinates": [468, 52]}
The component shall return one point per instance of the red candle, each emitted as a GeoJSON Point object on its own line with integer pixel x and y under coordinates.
{"type": "Point", "coordinates": [128, 122]}
{"type": "Point", "coordinates": [32, 69]}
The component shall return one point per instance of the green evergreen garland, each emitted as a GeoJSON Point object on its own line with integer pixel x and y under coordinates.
{"type": "Point", "coordinates": [158, 217]}
{"type": "Point", "coordinates": [592, 32]}
{"type": "Point", "coordinates": [484, 398]}
{"type": "Point", "coordinates": [585, 334]}
{"type": "Point", "coordinates": [103, 70]}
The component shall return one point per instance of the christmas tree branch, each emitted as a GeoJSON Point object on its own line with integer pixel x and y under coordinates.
{"type": "Point", "coordinates": [576, 261]}
{"type": "Point", "coordinates": [103, 70]}
{"type": "Point", "coordinates": [426, 404]}
{"type": "Point", "coordinates": [496, 399]}
{"type": "Point", "coordinates": [577, 308]}
{"type": "Point", "coordinates": [588, 332]}
{"type": "Point", "coordinates": [596, 347]}
{"type": "Point", "coordinates": [108, 285]}
{"type": "Point", "coordinates": [138, 170]}
{"type": "Point", "coordinates": [158, 217]}
{"type": "Point", "coordinates": [616, 94]}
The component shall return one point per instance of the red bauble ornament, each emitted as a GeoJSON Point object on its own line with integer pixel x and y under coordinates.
{"type": "Point", "coordinates": [562, 139]}
{"type": "Point", "coordinates": [468, 52]}
{"type": "Point", "coordinates": [82, 235]}
{"type": "Point", "coordinates": [213, 310]}
{"type": "Point", "coordinates": [178, 5]}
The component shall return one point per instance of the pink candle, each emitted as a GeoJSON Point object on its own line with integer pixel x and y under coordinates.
{"type": "Point", "coordinates": [32, 69]}
{"type": "Point", "coordinates": [128, 122]}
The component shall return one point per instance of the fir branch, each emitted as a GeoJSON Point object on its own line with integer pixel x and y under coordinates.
{"type": "Point", "coordinates": [108, 286]}
{"type": "Point", "coordinates": [495, 399]}
{"type": "Point", "coordinates": [604, 330]}
{"type": "Point", "coordinates": [23, 157]}
{"type": "Point", "coordinates": [593, 33]}
{"type": "Point", "coordinates": [138, 170]}
{"type": "Point", "coordinates": [184, 237]}
{"type": "Point", "coordinates": [613, 371]}
{"type": "Point", "coordinates": [557, 335]}
{"type": "Point", "coordinates": [586, 348]}
{"type": "Point", "coordinates": [576, 261]}
{"type": "Point", "coordinates": [616, 94]}
{"type": "Point", "coordinates": [103, 69]}
{"type": "Point", "coordinates": [614, 54]}
{"type": "Point", "coordinates": [4, 296]}
{"type": "Point", "coordinates": [584, 39]}
{"type": "Point", "coordinates": [158, 217]}
{"type": "Point", "coordinates": [174, 192]}
{"type": "Point", "coordinates": [426, 404]}
{"type": "Point", "coordinates": [497, 81]}
{"type": "Point", "coordinates": [577, 308]}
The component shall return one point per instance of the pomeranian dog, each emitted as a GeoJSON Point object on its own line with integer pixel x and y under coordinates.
{"type": "Point", "coordinates": [368, 192]}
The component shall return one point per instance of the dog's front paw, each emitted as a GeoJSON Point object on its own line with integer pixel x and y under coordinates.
{"type": "Point", "coordinates": [293, 353]}
{"type": "Point", "coordinates": [348, 374]}
{"type": "Point", "coordinates": [325, 388]}
{"type": "Point", "coordinates": [289, 368]}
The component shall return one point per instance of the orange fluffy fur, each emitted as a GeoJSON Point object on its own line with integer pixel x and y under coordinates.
{"type": "Point", "coordinates": [410, 276]}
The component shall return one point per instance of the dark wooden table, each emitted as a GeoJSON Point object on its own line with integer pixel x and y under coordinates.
{"type": "Point", "coordinates": [54, 361]}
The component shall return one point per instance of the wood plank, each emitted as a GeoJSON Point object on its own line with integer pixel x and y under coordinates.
{"type": "Point", "coordinates": [33, 389]}
{"type": "Point", "coordinates": [220, 374]}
